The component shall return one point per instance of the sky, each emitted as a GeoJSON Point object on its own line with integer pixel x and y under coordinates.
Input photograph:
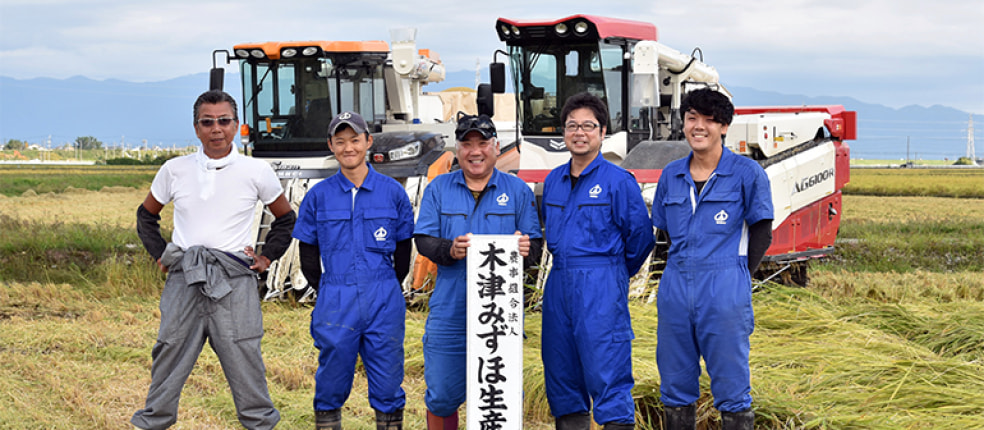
{"type": "Point", "coordinates": [891, 52]}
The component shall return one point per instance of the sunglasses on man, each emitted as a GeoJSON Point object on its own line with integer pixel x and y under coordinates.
{"type": "Point", "coordinates": [208, 122]}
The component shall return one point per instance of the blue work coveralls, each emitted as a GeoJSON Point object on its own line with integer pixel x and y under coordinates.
{"type": "Point", "coordinates": [449, 210]}
{"type": "Point", "coordinates": [705, 295]}
{"type": "Point", "coordinates": [599, 234]}
{"type": "Point", "coordinates": [360, 307]}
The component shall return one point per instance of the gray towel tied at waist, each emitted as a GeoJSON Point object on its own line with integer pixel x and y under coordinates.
{"type": "Point", "coordinates": [209, 270]}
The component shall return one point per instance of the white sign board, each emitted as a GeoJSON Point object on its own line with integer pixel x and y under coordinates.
{"type": "Point", "coordinates": [495, 333]}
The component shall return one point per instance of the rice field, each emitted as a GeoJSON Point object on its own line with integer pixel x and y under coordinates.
{"type": "Point", "coordinates": [889, 334]}
{"type": "Point", "coordinates": [958, 183]}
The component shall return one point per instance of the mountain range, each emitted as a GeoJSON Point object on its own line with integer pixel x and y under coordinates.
{"type": "Point", "coordinates": [52, 112]}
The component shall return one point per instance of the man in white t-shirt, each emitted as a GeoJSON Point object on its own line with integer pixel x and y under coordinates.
{"type": "Point", "coordinates": [211, 292]}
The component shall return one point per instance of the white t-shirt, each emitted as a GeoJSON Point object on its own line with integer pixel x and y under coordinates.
{"type": "Point", "coordinates": [214, 207]}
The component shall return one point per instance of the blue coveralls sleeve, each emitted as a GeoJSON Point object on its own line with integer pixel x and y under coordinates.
{"type": "Point", "coordinates": [405, 218]}
{"type": "Point", "coordinates": [634, 224]}
{"type": "Point", "coordinates": [306, 226]}
{"type": "Point", "coordinates": [428, 220]}
{"type": "Point", "coordinates": [529, 220]}
{"type": "Point", "coordinates": [758, 198]}
{"type": "Point", "coordinates": [659, 212]}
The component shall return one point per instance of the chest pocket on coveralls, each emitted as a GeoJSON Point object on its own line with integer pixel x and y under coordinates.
{"type": "Point", "coordinates": [334, 227]}
{"type": "Point", "coordinates": [678, 214]}
{"type": "Point", "coordinates": [379, 230]}
{"type": "Point", "coordinates": [554, 212]}
{"type": "Point", "coordinates": [502, 220]}
{"type": "Point", "coordinates": [720, 212]}
{"type": "Point", "coordinates": [595, 218]}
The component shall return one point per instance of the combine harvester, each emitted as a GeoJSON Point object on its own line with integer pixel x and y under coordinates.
{"type": "Point", "coordinates": [292, 90]}
{"type": "Point", "coordinates": [801, 148]}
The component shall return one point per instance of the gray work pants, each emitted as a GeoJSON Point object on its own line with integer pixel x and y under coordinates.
{"type": "Point", "coordinates": [233, 326]}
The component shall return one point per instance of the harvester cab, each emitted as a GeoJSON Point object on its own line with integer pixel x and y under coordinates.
{"type": "Point", "coordinates": [292, 90]}
{"type": "Point", "coordinates": [618, 60]}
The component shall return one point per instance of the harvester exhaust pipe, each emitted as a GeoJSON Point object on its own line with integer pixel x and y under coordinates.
{"type": "Point", "coordinates": [216, 76]}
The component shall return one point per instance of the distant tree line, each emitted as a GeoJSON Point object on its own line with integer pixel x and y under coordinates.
{"type": "Point", "coordinates": [15, 145]}
{"type": "Point", "coordinates": [146, 160]}
{"type": "Point", "coordinates": [81, 142]}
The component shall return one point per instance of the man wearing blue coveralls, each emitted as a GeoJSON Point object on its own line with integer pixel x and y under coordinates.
{"type": "Point", "coordinates": [478, 199]}
{"type": "Point", "coordinates": [716, 207]}
{"type": "Point", "coordinates": [357, 224]}
{"type": "Point", "coordinates": [599, 233]}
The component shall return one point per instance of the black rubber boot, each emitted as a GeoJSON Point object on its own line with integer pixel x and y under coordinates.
{"type": "Point", "coordinates": [580, 421]}
{"type": "Point", "coordinates": [328, 420]}
{"type": "Point", "coordinates": [680, 418]}
{"type": "Point", "coordinates": [618, 426]}
{"type": "Point", "coordinates": [392, 421]}
{"type": "Point", "coordinates": [744, 420]}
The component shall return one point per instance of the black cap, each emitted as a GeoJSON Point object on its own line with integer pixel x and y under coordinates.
{"type": "Point", "coordinates": [350, 119]}
{"type": "Point", "coordinates": [480, 123]}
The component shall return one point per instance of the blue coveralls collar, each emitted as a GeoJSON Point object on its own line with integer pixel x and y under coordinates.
{"type": "Point", "coordinates": [459, 178]}
{"type": "Point", "coordinates": [725, 166]}
{"type": "Point", "coordinates": [371, 177]}
{"type": "Point", "coordinates": [591, 167]}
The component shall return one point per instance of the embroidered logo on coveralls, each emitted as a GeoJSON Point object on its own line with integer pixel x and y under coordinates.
{"type": "Point", "coordinates": [721, 218]}
{"type": "Point", "coordinates": [503, 199]}
{"type": "Point", "coordinates": [380, 234]}
{"type": "Point", "coordinates": [594, 191]}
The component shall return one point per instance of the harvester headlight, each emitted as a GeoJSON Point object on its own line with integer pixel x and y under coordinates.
{"type": "Point", "coordinates": [515, 30]}
{"type": "Point", "coordinates": [242, 53]}
{"type": "Point", "coordinates": [309, 51]}
{"type": "Point", "coordinates": [404, 152]}
{"type": "Point", "coordinates": [257, 53]}
{"type": "Point", "coordinates": [505, 30]}
{"type": "Point", "coordinates": [561, 29]}
{"type": "Point", "coordinates": [581, 28]}
{"type": "Point", "coordinates": [289, 52]}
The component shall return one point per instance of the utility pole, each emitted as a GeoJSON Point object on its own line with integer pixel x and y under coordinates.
{"type": "Point", "coordinates": [970, 140]}
{"type": "Point", "coordinates": [478, 72]}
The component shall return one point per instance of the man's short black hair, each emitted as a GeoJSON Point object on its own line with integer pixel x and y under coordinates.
{"type": "Point", "coordinates": [215, 97]}
{"type": "Point", "coordinates": [586, 100]}
{"type": "Point", "coordinates": [711, 103]}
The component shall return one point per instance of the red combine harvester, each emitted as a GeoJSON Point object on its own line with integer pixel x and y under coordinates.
{"type": "Point", "coordinates": [802, 149]}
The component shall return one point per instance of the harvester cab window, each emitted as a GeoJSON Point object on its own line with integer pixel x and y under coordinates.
{"type": "Point", "coordinates": [610, 86]}
{"type": "Point", "coordinates": [541, 90]}
{"type": "Point", "coordinates": [548, 75]}
{"type": "Point", "coordinates": [361, 89]}
{"type": "Point", "coordinates": [273, 99]}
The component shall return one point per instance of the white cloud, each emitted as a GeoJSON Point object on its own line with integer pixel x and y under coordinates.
{"type": "Point", "coordinates": [749, 42]}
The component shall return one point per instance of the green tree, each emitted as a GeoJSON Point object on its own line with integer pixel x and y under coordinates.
{"type": "Point", "coordinates": [964, 161]}
{"type": "Point", "coordinates": [14, 144]}
{"type": "Point", "coordinates": [88, 142]}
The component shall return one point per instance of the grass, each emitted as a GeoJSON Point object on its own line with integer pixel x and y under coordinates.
{"type": "Point", "coordinates": [16, 179]}
{"type": "Point", "coordinates": [957, 183]}
{"type": "Point", "coordinates": [900, 234]}
{"type": "Point", "coordinates": [888, 335]}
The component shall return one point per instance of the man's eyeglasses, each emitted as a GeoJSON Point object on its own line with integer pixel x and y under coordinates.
{"type": "Point", "coordinates": [208, 122]}
{"type": "Point", "coordinates": [587, 127]}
